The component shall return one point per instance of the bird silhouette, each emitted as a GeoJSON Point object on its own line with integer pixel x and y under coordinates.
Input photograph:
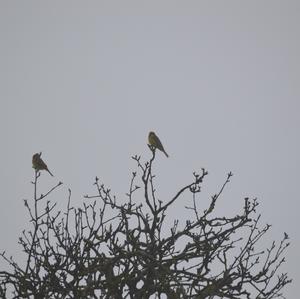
{"type": "Point", "coordinates": [155, 142]}
{"type": "Point", "coordinates": [38, 164]}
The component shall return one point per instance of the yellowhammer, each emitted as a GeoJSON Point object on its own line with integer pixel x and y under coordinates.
{"type": "Point", "coordinates": [38, 163]}
{"type": "Point", "coordinates": [155, 142]}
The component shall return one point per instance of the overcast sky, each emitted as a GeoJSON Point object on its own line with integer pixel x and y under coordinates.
{"type": "Point", "coordinates": [218, 81]}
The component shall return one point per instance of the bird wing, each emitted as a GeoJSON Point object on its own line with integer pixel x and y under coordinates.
{"type": "Point", "coordinates": [42, 164]}
{"type": "Point", "coordinates": [158, 144]}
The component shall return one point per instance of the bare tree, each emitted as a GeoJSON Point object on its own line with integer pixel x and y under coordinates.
{"type": "Point", "coordinates": [124, 249]}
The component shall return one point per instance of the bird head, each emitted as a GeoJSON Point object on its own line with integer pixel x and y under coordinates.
{"type": "Point", "coordinates": [36, 155]}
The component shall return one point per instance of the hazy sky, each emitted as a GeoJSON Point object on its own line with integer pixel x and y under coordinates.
{"type": "Point", "coordinates": [218, 81]}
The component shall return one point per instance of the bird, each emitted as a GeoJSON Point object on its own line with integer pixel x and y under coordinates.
{"type": "Point", "coordinates": [38, 164]}
{"type": "Point", "coordinates": [155, 142]}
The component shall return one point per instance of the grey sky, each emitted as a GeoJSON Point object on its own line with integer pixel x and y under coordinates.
{"type": "Point", "coordinates": [218, 81]}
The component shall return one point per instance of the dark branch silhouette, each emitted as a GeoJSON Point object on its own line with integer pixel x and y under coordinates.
{"type": "Point", "coordinates": [111, 248]}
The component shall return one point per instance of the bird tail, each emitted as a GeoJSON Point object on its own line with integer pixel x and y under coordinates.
{"type": "Point", "coordinates": [50, 172]}
{"type": "Point", "coordinates": [166, 154]}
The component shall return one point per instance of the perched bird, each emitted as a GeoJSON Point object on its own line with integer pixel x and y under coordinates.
{"type": "Point", "coordinates": [155, 142]}
{"type": "Point", "coordinates": [38, 163]}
